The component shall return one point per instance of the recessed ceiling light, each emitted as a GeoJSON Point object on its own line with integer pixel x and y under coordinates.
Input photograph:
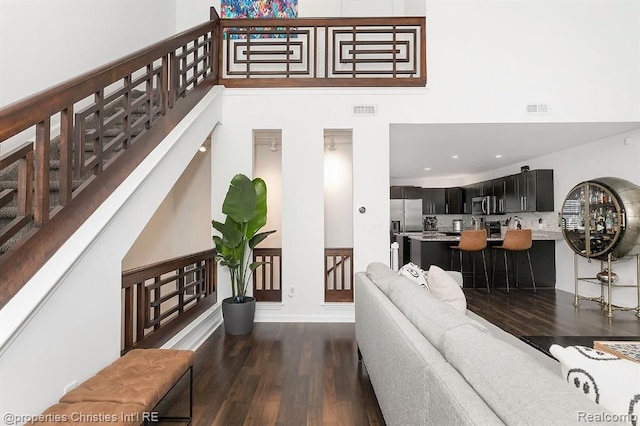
{"type": "Point", "coordinates": [499, 156]}
{"type": "Point", "coordinates": [454, 156]}
{"type": "Point", "coordinates": [427, 169]}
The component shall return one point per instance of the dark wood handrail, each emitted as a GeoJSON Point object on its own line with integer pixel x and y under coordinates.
{"type": "Point", "coordinates": [135, 275]}
{"type": "Point", "coordinates": [31, 110]}
{"type": "Point", "coordinates": [152, 313]}
{"type": "Point", "coordinates": [15, 154]}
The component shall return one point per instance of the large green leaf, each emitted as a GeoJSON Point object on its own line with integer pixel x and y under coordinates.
{"type": "Point", "coordinates": [260, 217]}
{"type": "Point", "coordinates": [258, 238]}
{"type": "Point", "coordinates": [230, 234]}
{"type": "Point", "coordinates": [241, 199]}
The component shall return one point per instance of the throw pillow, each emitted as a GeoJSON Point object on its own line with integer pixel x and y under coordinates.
{"type": "Point", "coordinates": [457, 276]}
{"type": "Point", "coordinates": [445, 288]}
{"type": "Point", "coordinates": [414, 273]}
{"type": "Point", "coordinates": [612, 382]}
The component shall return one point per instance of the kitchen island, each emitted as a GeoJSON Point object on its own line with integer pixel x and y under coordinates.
{"type": "Point", "coordinates": [434, 248]}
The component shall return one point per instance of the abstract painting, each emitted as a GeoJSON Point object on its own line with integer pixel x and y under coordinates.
{"type": "Point", "coordinates": [259, 9]}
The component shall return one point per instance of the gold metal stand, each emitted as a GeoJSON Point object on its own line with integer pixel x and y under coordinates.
{"type": "Point", "coordinates": [605, 302]}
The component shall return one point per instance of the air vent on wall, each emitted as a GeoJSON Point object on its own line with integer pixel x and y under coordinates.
{"type": "Point", "coordinates": [364, 110]}
{"type": "Point", "coordinates": [538, 109]}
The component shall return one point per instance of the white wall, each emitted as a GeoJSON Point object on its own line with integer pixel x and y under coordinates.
{"type": "Point", "coordinates": [487, 59]}
{"type": "Point", "coordinates": [190, 13]}
{"type": "Point", "coordinates": [303, 219]}
{"type": "Point", "coordinates": [182, 223]}
{"type": "Point", "coordinates": [338, 196]}
{"type": "Point", "coordinates": [64, 324]}
{"type": "Point", "coordinates": [47, 42]}
{"type": "Point", "coordinates": [268, 166]}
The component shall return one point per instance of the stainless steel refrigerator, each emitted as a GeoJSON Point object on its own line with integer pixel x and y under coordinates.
{"type": "Point", "coordinates": [408, 213]}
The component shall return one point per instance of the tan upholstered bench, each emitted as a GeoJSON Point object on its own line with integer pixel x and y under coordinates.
{"type": "Point", "coordinates": [140, 378]}
{"type": "Point", "coordinates": [84, 413]}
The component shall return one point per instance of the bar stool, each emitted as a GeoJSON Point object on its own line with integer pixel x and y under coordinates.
{"type": "Point", "coordinates": [472, 241]}
{"type": "Point", "coordinates": [515, 240]}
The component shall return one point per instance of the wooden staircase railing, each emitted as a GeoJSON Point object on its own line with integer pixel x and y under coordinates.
{"type": "Point", "coordinates": [105, 123]}
{"type": "Point", "coordinates": [338, 280]}
{"type": "Point", "coordinates": [161, 298]}
{"type": "Point", "coordinates": [267, 279]}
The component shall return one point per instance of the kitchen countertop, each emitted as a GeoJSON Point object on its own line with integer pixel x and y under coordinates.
{"type": "Point", "coordinates": [436, 236]}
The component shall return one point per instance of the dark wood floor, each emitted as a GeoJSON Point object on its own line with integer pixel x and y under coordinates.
{"type": "Point", "coordinates": [308, 374]}
{"type": "Point", "coordinates": [548, 312]}
{"type": "Point", "coordinates": [281, 374]}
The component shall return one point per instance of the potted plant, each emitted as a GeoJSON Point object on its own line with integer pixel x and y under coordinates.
{"type": "Point", "coordinates": [246, 208]}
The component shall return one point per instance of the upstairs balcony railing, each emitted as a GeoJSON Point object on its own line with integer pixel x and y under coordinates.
{"type": "Point", "coordinates": [101, 124]}
{"type": "Point", "coordinates": [299, 52]}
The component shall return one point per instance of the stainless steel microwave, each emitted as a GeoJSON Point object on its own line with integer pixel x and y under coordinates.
{"type": "Point", "coordinates": [483, 205]}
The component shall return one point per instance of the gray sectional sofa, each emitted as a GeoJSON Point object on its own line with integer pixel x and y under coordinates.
{"type": "Point", "coordinates": [432, 365]}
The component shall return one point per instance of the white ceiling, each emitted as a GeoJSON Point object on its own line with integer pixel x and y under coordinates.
{"type": "Point", "coordinates": [416, 146]}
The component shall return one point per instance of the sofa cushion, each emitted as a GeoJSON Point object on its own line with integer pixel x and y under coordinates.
{"type": "Point", "coordinates": [428, 314]}
{"type": "Point", "coordinates": [446, 289]}
{"type": "Point", "coordinates": [415, 274]}
{"type": "Point", "coordinates": [514, 385]}
{"type": "Point", "coordinates": [383, 277]}
{"type": "Point", "coordinates": [612, 382]}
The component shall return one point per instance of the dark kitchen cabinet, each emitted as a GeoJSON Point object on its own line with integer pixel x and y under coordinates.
{"type": "Point", "coordinates": [535, 191]}
{"type": "Point", "coordinates": [478, 189]}
{"type": "Point", "coordinates": [434, 201]}
{"type": "Point", "coordinates": [485, 188]}
{"type": "Point", "coordinates": [471, 191]}
{"type": "Point", "coordinates": [530, 191]}
{"type": "Point", "coordinates": [396, 192]}
{"type": "Point", "coordinates": [454, 201]}
{"type": "Point", "coordinates": [412, 192]}
{"type": "Point", "coordinates": [498, 192]}
{"type": "Point", "coordinates": [427, 253]}
{"type": "Point", "coordinates": [511, 197]}
{"type": "Point", "coordinates": [543, 261]}
{"type": "Point", "coordinates": [405, 192]}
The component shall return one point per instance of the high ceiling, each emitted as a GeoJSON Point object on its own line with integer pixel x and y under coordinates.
{"type": "Point", "coordinates": [414, 147]}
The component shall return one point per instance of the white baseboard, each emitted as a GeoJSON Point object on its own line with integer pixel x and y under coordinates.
{"type": "Point", "coordinates": [305, 318]}
{"type": "Point", "coordinates": [332, 313]}
{"type": "Point", "coordinates": [194, 334]}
